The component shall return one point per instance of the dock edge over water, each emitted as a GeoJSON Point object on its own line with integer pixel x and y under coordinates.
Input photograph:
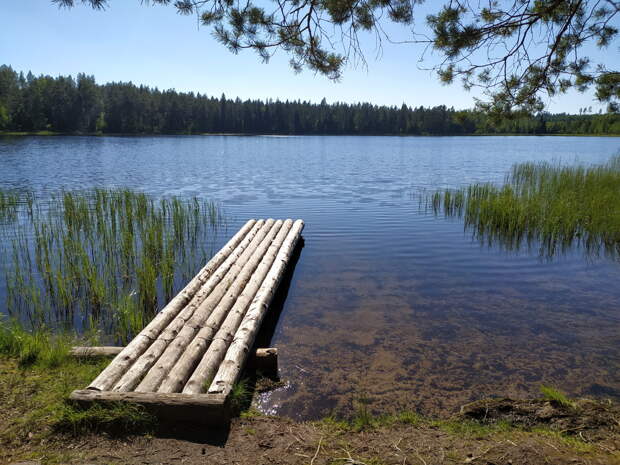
{"type": "Point", "coordinates": [184, 363]}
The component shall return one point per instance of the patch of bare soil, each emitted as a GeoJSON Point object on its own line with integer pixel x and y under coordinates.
{"type": "Point", "coordinates": [598, 419]}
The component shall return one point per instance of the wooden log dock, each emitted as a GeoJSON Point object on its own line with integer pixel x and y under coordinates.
{"type": "Point", "coordinates": [185, 362]}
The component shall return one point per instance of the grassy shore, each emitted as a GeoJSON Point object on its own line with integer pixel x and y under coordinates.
{"type": "Point", "coordinates": [39, 423]}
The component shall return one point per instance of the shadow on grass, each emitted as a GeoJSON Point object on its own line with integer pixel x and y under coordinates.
{"type": "Point", "coordinates": [122, 420]}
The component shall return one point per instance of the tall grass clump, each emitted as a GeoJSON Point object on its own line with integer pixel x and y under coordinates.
{"type": "Point", "coordinates": [553, 395]}
{"type": "Point", "coordinates": [100, 259]}
{"type": "Point", "coordinates": [547, 205]}
{"type": "Point", "coordinates": [29, 347]}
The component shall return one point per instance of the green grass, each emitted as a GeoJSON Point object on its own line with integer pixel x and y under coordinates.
{"type": "Point", "coordinates": [118, 418]}
{"type": "Point", "coordinates": [33, 347]}
{"type": "Point", "coordinates": [100, 259]}
{"type": "Point", "coordinates": [544, 205]}
{"type": "Point", "coordinates": [575, 442]}
{"type": "Point", "coordinates": [36, 399]}
{"type": "Point", "coordinates": [42, 359]}
{"type": "Point", "coordinates": [408, 418]}
{"type": "Point", "coordinates": [37, 413]}
{"type": "Point", "coordinates": [559, 398]}
{"type": "Point", "coordinates": [240, 396]}
{"type": "Point", "coordinates": [251, 413]}
{"type": "Point", "coordinates": [363, 420]}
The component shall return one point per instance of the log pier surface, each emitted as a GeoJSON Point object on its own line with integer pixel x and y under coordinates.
{"type": "Point", "coordinates": [185, 362]}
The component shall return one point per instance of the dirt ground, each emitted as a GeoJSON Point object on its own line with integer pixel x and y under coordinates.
{"type": "Point", "coordinates": [541, 433]}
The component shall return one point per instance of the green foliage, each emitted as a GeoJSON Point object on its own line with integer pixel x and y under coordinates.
{"type": "Point", "coordinates": [251, 413]}
{"type": "Point", "coordinates": [126, 108]}
{"type": "Point", "coordinates": [559, 398]}
{"type": "Point", "coordinates": [4, 117]}
{"type": "Point", "coordinates": [335, 425]}
{"type": "Point", "coordinates": [363, 420]}
{"type": "Point", "coordinates": [515, 50]}
{"type": "Point", "coordinates": [9, 203]}
{"type": "Point", "coordinates": [550, 206]}
{"type": "Point", "coordinates": [469, 38]}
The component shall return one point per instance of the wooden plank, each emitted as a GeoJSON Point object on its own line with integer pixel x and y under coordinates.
{"type": "Point", "coordinates": [262, 357]}
{"type": "Point", "coordinates": [214, 309]}
{"type": "Point", "coordinates": [205, 409]}
{"type": "Point", "coordinates": [202, 336]}
{"type": "Point", "coordinates": [136, 372]}
{"type": "Point", "coordinates": [215, 337]}
{"type": "Point", "coordinates": [266, 361]}
{"type": "Point", "coordinates": [236, 355]}
{"type": "Point", "coordinates": [139, 344]}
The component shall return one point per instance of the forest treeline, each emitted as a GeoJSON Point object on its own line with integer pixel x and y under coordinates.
{"type": "Point", "coordinates": [79, 105]}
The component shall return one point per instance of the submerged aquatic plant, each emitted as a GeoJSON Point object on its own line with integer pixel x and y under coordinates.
{"type": "Point", "coordinates": [547, 205]}
{"type": "Point", "coordinates": [100, 259]}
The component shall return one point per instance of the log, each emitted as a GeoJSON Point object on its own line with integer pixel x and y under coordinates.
{"type": "Point", "coordinates": [215, 307]}
{"type": "Point", "coordinates": [133, 376]}
{"type": "Point", "coordinates": [218, 343]}
{"type": "Point", "coordinates": [101, 351]}
{"type": "Point", "coordinates": [139, 344]}
{"type": "Point", "coordinates": [216, 335]}
{"type": "Point", "coordinates": [205, 409]}
{"type": "Point", "coordinates": [266, 361]}
{"type": "Point", "coordinates": [231, 367]}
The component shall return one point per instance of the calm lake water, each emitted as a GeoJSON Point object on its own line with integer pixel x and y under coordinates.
{"type": "Point", "coordinates": [386, 302]}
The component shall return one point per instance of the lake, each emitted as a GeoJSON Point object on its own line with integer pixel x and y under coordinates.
{"type": "Point", "coordinates": [387, 303]}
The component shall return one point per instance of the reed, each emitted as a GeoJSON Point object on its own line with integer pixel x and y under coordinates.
{"type": "Point", "coordinates": [100, 259]}
{"type": "Point", "coordinates": [9, 202]}
{"type": "Point", "coordinates": [544, 205]}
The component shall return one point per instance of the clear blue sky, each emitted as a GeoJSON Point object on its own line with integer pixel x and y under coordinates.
{"type": "Point", "coordinates": [155, 46]}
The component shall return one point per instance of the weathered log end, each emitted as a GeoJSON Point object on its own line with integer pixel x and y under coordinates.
{"type": "Point", "coordinates": [265, 361]}
{"type": "Point", "coordinates": [204, 409]}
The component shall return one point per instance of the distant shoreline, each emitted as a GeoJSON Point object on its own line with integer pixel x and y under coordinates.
{"type": "Point", "coordinates": [250, 134]}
